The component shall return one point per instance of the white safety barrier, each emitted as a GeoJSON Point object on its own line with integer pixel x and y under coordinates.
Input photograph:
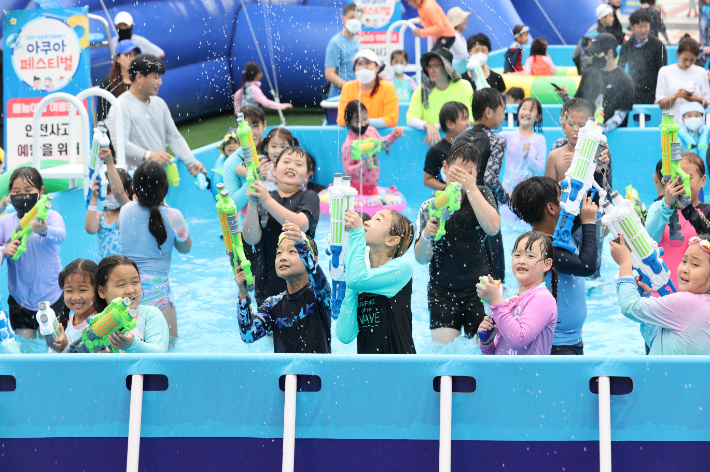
{"type": "Point", "coordinates": [604, 424]}
{"type": "Point", "coordinates": [289, 442]}
{"type": "Point", "coordinates": [445, 405]}
{"type": "Point", "coordinates": [134, 423]}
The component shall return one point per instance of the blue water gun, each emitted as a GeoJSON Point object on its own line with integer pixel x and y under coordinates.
{"type": "Point", "coordinates": [579, 182]}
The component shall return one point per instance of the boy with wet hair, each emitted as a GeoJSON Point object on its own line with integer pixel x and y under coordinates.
{"type": "Point", "coordinates": [454, 120]}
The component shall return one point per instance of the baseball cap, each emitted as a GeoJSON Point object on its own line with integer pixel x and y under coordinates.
{"type": "Point", "coordinates": [603, 10]}
{"type": "Point", "coordinates": [123, 17]}
{"type": "Point", "coordinates": [602, 43]}
{"type": "Point", "coordinates": [367, 54]}
{"type": "Point", "coordinates": [125, 46]}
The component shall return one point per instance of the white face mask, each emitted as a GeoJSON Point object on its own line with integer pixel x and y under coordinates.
{"type": "Point", "coordinates": [693, 124]}
{"type": "Point", "coordinates": [110, 202]}
{"type": "Point", "coordinates": [353, 25]}
{"type": "Point", "coordinates": [365, 76]}
{"type": "Point", "coordinates": [482, 58]}
{"type": "Point", "coordinates": [398, 68]}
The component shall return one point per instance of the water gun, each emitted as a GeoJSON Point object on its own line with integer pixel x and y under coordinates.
{"type": "Point", "coordinates": [173, 173]}
{"type": "Point", "coordinates": [579, 181]}
{"type": "Point", "coordinates": [23, 230]}
{"type": "Point", "coordinates": [445, 203]}
{"type": "Point", "coordinates": [7, 336]}
{"type": "Point", "coordinates": [96, 165]}
{"type": "Point", "coordinates": [115, 317]}
{"type": "Point", "coordinates": [341, 199]}
{"type": "Point", "coordinates": [671, 170]}
{"type": "Point", "coordinates": [246, 141]}
{"type": "Point", "coordinates": [364, 148]}
{"type": "Point", "coordinates": [48, 323]}
{"type": "Point", "coordinates": [621, 218]}
{"type": "Point", "coordinates": [633, 196]}
{"type": "Point", "coordinates": [229, 219]}
{"type": "Point", "coordinates": [476, 71]}
{"type": "Point", "coordinates": [487, 336]}
{"type": "Point", "coordinates": [203, 182]}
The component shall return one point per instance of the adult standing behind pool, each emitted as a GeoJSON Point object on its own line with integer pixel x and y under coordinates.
{"type": "Point", "coordinates": [378, 96]}
{"type": "Point", "coordinates": [341, 50]}
{"type": "Point", "coordinates": [683, 82]}
{"type": "Point", "coordinates": [147, 123]}
{"type": "Point", "coordinates": [440, 84]}
{"type": "Point", "coordinates": [124, 28]}
{"type": "Point", "coordinates": [118, 80]}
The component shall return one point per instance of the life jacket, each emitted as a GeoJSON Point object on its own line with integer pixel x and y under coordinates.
{"type": "Point", "coordinates": [697, 144]}
{"type": "Point", "coordinates": [539, 66]}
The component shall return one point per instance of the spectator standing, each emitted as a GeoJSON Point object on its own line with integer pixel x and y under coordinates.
{"type": "Point", "coordinates": [124, 27]}
{"type": "Point", "coordinates": [147, 123]}
{"type": "Point", "coordinates": [616, 28]}
{"type": "Point", "coordinates": [436, 24]}
{"type": "Point", "coordinates": [605, 20]}
{"type": "Point", "coordinates": [645, 56]}
{"type": "Point", "coordinates": [480, 46]}
{"type": "Point", "coordinates": [514, 54]}
{"type": "Point", "coordinates": [118, 80]}
{"type": "Point", "coordinates": [341, 50]}
{"type": "Point", "coordinates": [657, 25]}
{"type": "Point", "coordinates": [459, 19]}
{"type": "Point", "coordinates": [683, 82]}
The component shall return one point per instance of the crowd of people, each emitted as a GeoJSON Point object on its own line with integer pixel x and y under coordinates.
{"type": "Point", "coordinates": [279, 212]}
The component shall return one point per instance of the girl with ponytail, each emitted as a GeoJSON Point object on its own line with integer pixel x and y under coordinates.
{"type": "Point", "coordinates": [250, 92]}
{"type": "Point", "coordinates": [149, 231]}
{"type": "Point", "coordinates": [525, 322]}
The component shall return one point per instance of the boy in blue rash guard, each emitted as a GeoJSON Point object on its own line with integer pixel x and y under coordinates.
{"type": "Point", "coordinates": [299, 318]}
{"type": "Point", "coordinates": [537, 202]}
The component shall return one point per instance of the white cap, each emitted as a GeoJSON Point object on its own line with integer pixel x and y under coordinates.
{"type": "Point", "coordinates": [367, 54]}
{"type": "Point", "coordinates": [603, 10]}
{"type": "Point", "coordinates": [123, 17]}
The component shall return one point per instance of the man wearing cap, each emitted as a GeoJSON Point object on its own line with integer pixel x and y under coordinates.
{"type": "Point", "coordinates": [378, 96]}
{"type": "Point", "coordinates": [341, 50]}
{"type": "Point", "coordinates": [605, 84]}
{"type": "Point", "coordinates": [514, 54]}
{"type": "Point", "coordinates": [605, 21]}
{"type": "Point", "coordinates": [444, 85]}
{"type": "Point", "coordinates": [124, 26]}
{"type": "Point", "coordinates": [459, 19]}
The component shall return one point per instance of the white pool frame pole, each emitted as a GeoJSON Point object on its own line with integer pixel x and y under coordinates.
{"type": "Point", "coordinates": [511, 120]}
{"type": "Point", "coordinates": [289, 441]}
{"type": "Point", "coordinates": [134, 423]}
{"type": "Point", "coordinates": [604, 424]}
{"type": "Point", "coordinates": [120, 137]}
{"type": "Point", "coordinates": [445, 406]}
{"type": "Point", "coordinates": [642, 120]}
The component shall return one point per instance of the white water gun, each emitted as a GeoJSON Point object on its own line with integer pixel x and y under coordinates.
{"type": "Point", "coordinates": [476, 71]}
{"type": "Point", "coordinates": [579, 180]}
{"type": "Point", "coordinates": [97, 168]}
{"type": "Point", "coordinates": [621, 218]}
{"type": "Point", "coordinates": [341, 199]}
{"type": "Point", "coordinates": [48, 323]}
{"type": "Point", "coordinates": [7, 336]}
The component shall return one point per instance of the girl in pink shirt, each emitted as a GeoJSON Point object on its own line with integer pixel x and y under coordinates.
{"type": "Point", "coordinates": [365, 171]}
{"type": "Point", "coordinates": [250, 93]}
{"type": "Point", "coordinates": [525, 323]}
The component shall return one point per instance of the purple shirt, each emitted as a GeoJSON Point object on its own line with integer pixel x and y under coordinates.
{"type": "Point", "coordinates": [33, 277]}
{"type": "Point", "coordinates": [526, 324]}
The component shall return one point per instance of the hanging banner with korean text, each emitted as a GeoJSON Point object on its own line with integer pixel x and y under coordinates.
{"type": "Point", "coordinates": [45, 51]}
{"type": "Point", "coordinates": [376, 17]}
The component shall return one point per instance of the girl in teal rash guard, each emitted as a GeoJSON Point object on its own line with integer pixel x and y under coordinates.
{"type": "Point", "coordinates": [377, 309]}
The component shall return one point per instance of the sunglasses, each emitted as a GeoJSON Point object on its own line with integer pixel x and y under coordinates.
{"type": "Point", "coordinates": [704, 244]}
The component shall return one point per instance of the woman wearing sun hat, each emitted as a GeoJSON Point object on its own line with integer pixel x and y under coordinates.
{"type": "Point", "coordinates": [459, 19]}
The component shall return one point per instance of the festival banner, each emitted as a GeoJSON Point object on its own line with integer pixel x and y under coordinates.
{"type": "Point", "coordinates": [45, 51]}
{"type": "Point", "coordinates": [377, 16]}
{"type": "Point", "coordinates": [629, 6]}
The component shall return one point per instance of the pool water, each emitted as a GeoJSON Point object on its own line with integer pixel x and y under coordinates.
{"type": "Point", "coordinates": [206, 298]}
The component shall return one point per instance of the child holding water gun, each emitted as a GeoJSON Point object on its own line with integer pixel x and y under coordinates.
{"type": "Point", "coordinates": [149, 230]}
{"type": "Point", "coordinates": [536, 201]}
{"type": "Point", "coordinates": [32, 276]}
{"type": "Point", "coordinates": [454, 120]}
{"type": "Point", "coordinates": [364, 173]}
{"type": "Point", "coordinates": [105, 223]}
{"type": "Point", "coordinates": [250, 92]}
{"type": "Point", "coordinates": [307, 291]}
{"type": "Point", "coordinates": [77, 281]}
{"type": "Point", "coordinates": [526, 322]}
{"type": "Point", "coordinates": [377, 309]}
{"type": "Point", "coordinates": [459, 257]}
{"type": "Point", "coordinates": [289, 202]}
{"type": "Point", "coordinates": [678, 323]}
{"type": "Point", "coordinates": [404, 84]}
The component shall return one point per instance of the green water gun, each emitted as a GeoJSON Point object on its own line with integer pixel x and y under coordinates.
{"type": "Point", "coordinates": [364, 148]}
{"type": "Point", "coordinates": [229, 219]}
{"type": "Point", "coordinates": [633, 196]}
{"type": "Point", "coordinates": [23, 230]}
{"type": "Point", "coordinates": [671, 170]}
{"type": "Point", "coordinates": [445, 203]}
{"type": "Point", "coordinates": [246, 141]}
{"type": "Point", "coordinates": [115, 317]}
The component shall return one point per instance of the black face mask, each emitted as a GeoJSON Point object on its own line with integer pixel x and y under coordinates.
{"type": "Point", "coordinates": [599, 62]}
{"type": "Point", "coordinates": [24, 203]}
{"type": "Point", "coordinates": [125, 33]}
{"type": "Point", "coordinates": [360, 131]}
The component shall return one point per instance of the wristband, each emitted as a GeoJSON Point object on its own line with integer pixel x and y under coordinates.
{"type": "Point", "coordinates": [146, 156]}
{"type": "Point", "coordinates": [429, 238]}
{"type": "Point", "coordinates": [93, 208]}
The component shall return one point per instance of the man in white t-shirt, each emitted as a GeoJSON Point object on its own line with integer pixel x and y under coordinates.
{"type": "Point", "coordinates": [124, 25]}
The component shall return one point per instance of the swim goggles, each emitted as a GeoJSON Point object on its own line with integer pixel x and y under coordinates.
{"type": "Point", "coordinates": [704, 244]}
{"type": "Point", "coordinates": [304, 238]}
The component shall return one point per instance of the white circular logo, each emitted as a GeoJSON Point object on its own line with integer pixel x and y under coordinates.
{"type": "Point", "coordinates": [46, 54]}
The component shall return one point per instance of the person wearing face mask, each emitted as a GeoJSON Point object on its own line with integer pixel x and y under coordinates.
{"type": "Point", "coordinates": [118, 80]}
{"type": "Point", "coordinates": [124, 29]}
{"type": "Point", "coordinates": [604, 24]}
{"type": "Point", "coordinates": [480, 46]}
{"type": "Point", "coordinates": [33, 277]}
{"type": "Point", "coordinates": [684, 81]}
{"type": "Point", "coordinates": [404, 84]}
{"type": "Point", "coordinates": [694, 134]}
{"type": "Point", "coordinates": [379, 96]}
{"type": "Point", "coordinates": [605, 84]}
{"type": "Point", "coordinates": [105, 223]}
{"type": "Point", "coordinates": [645, 56]}
{"type": "Point", "coordinates": [341, 51]}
